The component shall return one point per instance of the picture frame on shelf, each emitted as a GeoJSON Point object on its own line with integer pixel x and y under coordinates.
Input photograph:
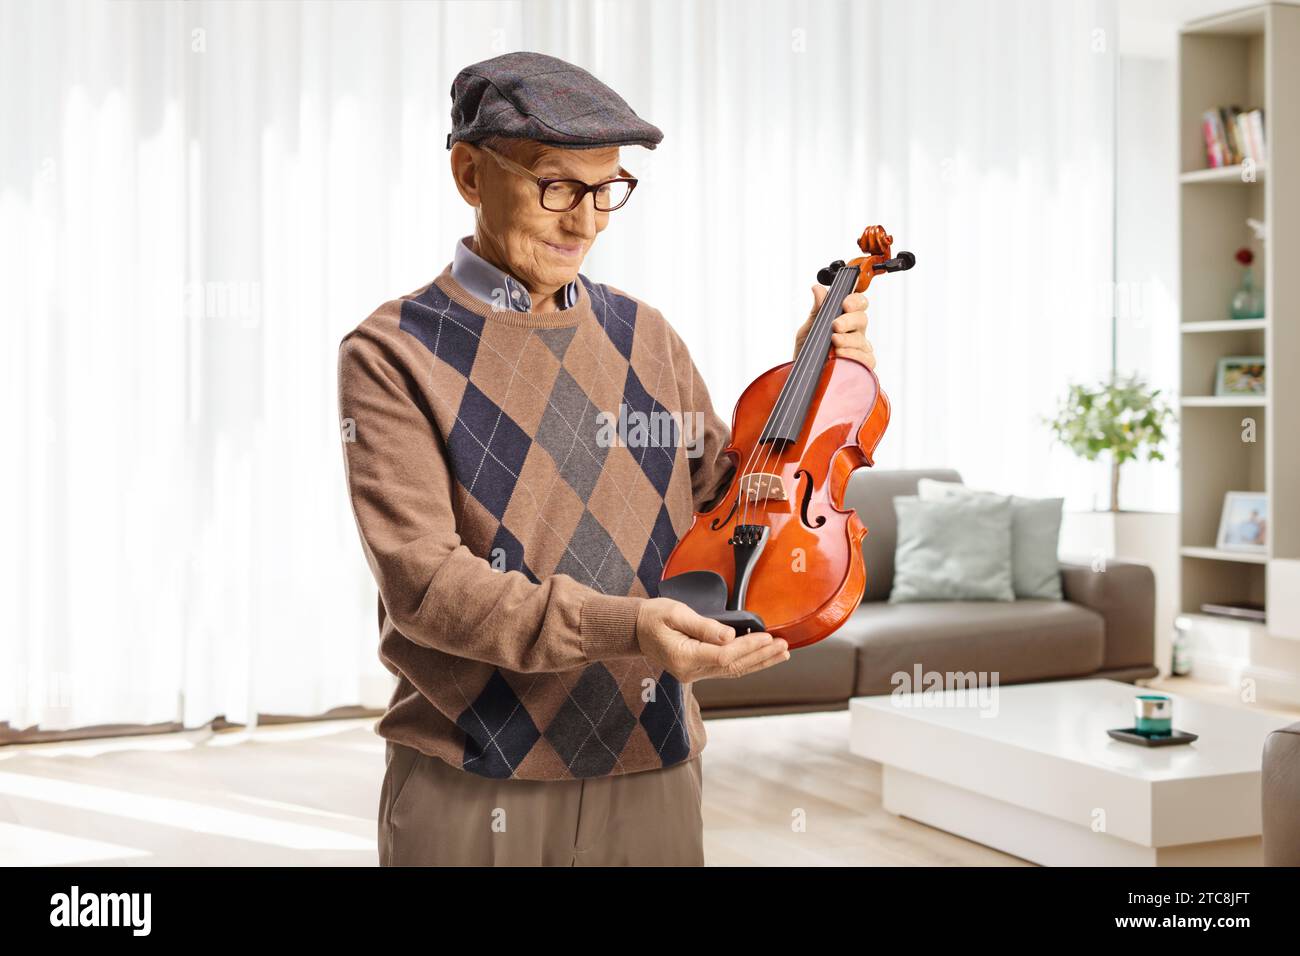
{"type": "Point", "coordinates": [1240, 375]}
{"type": "Point", "coordinates": [1243, 524]}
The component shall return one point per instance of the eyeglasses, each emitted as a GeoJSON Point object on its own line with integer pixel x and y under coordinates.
{"type": "Point", "coordinates": [561, 195]}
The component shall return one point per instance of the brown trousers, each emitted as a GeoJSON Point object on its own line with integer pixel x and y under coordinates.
{"type": "Point", "coordinates": [433, 814]}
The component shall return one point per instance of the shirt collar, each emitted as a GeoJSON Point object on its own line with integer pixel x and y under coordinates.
{"type": "Point", "coordinates": [489, 284]}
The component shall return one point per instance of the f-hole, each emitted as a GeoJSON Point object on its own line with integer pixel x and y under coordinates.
{"type": "Point", "coordinates": [718, 523]}
{"type": "Point", "coordinates": [806, 500]}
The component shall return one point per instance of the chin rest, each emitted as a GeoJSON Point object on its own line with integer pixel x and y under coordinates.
{"type": "Point", "coordinates": [705, 592]}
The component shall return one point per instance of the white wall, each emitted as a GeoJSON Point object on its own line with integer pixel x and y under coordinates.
{"type": "Point", "coordinates": [1146, 256]}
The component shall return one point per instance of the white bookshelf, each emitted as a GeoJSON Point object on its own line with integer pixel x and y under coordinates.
{"type": "Point", "coordinates": [1246, 58]}
{"type": "Point", "coordinates": [1224, 174]}
{"type": "Point", "coordinates": [1227, 325]}
{"type": "Point", "coordinates": [1216, 554]}
{"type": "Point", "coordinates": [1224, 401]}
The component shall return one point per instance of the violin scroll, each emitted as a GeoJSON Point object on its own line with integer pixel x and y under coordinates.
{"type": "Point", "coordinates": [878, 246]}
{"type": "Point", "coordinates": [874, 241]}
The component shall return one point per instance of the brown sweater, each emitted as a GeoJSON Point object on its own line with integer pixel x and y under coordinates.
{"type": "Point", "coordinates": [515, 518]}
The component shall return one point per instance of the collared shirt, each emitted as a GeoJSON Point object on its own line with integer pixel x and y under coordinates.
{"type": "Point", "coordinates": [486, 282]}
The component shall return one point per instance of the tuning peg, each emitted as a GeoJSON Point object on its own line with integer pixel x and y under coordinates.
{"type": "Point", "coordinates": [900, 263]}
{"type": "Point", "coordinates": [825, 276]}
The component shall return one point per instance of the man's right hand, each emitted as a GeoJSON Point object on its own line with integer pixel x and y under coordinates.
{"type": "Point", "coordinates": [692, 647]}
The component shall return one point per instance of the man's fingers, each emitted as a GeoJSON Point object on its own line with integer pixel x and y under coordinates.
{"type": "Point", "coordinates": [760, 661]}
{"type": "Point", "coordinates": [851, 340]}
{"type": "Point", "coordinates": [699, 627]}
{"type": "Point", "coordinates": [848, 330]}
{"type": "Point", "coordinates": [819, 296]}
{"type": "Point", "coordinates": [867, 357]}
{"type": "Point", "coordinates": [850, 322]}
{"type": "Point", "coordinates": [715, 659]}
{"type": "Point", "coordinates": [745, 645]}
{"type": "Point", "coordinates": [719, 634]}
{"type": "Point", "coordinates": [854, 302]}
{"type": "Point", "coordinates": [763, 656]}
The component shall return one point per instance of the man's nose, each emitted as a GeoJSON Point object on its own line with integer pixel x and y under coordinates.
{"type": "Point", "coordinates": [583, 220]}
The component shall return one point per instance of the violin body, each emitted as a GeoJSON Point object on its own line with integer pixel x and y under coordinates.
{"type": "Point", "coordinates": [778, 551]}
{"type": "Point", "coordinates": [810, 576]}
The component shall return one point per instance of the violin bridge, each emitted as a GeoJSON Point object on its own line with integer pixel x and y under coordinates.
{"type": "Point", "coordinates": [762, 486]}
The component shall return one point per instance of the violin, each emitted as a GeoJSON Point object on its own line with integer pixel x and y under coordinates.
{"type": "Point", "coordinates": [778, 551]}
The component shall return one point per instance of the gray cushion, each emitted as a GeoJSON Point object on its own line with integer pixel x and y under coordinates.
{"type": "Point", "coordinates": [872, 494]}
{"type": "Point", "coordinates": [1020, 640]}
{"type": "Point", "coordinates": [956, 548]}
{"type": "Point", "coordinates": [1035, 537]}
{"type": "Point", "coordinates": [820, 673]}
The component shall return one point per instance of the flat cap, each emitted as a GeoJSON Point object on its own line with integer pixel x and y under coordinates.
{"type": "Point", "coordinates": [539, 97]}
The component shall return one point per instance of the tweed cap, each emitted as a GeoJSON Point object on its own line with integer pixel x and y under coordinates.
{"type": "Point", "coordinates": [538, 97]}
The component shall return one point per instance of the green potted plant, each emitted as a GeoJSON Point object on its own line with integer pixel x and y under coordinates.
{"type": "Point", "coordinates": [1122, 418]}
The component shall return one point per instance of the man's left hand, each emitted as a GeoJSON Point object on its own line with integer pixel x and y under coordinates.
{"type": "Point", "coordinates": [848, 332]}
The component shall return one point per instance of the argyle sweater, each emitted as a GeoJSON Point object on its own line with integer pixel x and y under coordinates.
{"type": "Point", "coordinates": [512, 537]}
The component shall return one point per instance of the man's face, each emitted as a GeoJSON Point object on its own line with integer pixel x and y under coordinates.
{"type": "Point", "coordinates": [543, 249]}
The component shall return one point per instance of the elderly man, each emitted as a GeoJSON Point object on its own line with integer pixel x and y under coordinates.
{"type": "Point", "coordinates": [543, 712]}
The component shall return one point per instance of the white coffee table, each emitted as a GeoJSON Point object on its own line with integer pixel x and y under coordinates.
{"type": "Point", "coordinates": [1030, 771]}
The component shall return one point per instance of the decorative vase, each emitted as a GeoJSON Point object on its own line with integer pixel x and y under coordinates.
{"type": "Point", "coordinates": [1247, 301]}
{"type": "Point", "coordinates": [1154, 713]}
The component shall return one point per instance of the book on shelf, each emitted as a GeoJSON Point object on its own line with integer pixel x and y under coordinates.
{"type": "Point", "coordinates": [1244, 610]}
{"type": "Point", "coordinates": [1232, 136]}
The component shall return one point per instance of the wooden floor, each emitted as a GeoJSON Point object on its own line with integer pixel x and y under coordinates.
{"type": "Point", "coordinates": [777, 791]}
{"type": "Point", "coordinates": [765, 775]}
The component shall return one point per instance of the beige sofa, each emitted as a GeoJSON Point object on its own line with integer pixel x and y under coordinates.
{"type": "Point", "coordinates": [1280, 797]}
{"type": "Point", "coordinates": [1105, 627]}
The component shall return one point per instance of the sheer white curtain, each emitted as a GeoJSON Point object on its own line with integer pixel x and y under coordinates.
{"type": "Point", "coordinates": [198, 200]}
{"type": "Point", "coordinates": [980, 133]}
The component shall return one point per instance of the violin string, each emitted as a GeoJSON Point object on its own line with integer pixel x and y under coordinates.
{"type": "Point", "coordinates": [806, 374]}
{"type": "Point", "coordinates": [801, 376]}
{"type": "Point", "coordinates": [788, 401]}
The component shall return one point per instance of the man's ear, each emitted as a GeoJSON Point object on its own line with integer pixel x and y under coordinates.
{"type": "Point", "coordinates": [467, 171]}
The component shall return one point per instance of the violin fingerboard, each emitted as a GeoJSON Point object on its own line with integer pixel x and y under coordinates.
{"type": "Point", "coordinates": [791, 408]}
